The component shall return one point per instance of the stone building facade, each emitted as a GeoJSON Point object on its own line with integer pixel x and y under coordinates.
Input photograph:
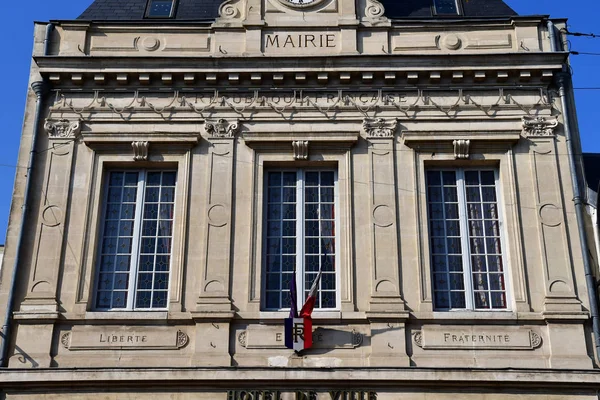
{"type": "Point", "coordinates": [191, 157]}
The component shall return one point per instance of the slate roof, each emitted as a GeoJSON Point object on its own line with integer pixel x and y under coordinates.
{"type": "Point", "coordinates": [197, 10]}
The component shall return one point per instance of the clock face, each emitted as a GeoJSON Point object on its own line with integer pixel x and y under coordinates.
{"type": "Point", "coordinates": [300, 3]}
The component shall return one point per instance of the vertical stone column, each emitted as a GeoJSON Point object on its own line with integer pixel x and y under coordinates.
{"type": "Point", "coordinates": [53, 197]}
{"type": "Point", "coordinates": [560, 296]}
{"type": "Point", "coordinates": [213, 309]}
{"type": "Point", "coordinates": [214, 292]}
{"type": "Point", "coordinates": [386, 303]}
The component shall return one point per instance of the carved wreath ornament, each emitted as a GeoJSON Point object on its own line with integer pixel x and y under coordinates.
{"type": "Point", "coordinates": [539, 126]}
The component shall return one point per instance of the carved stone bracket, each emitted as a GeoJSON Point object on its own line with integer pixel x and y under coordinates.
{"type": "Point", "coordinates": [140, 151]}
{"type": "Point", "coordinates": [379, 127]}
{"type": "Point", "coordinates": [300, 149]}
{"type": "Point", "coordinates": [539, 126]}
{"type": "Point", "coordinates": [62, 128]}
{"type": "Point", "coordinates": [221, 128]}
{"type": "Point", "coordinates": [461, 149]}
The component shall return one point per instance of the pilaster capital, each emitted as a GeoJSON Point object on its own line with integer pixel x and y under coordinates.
{"type": "Point", "coordinates": [380, 127]}
{"type": "Point", "coordinates": [221, 128]}
{"type": "Point", "coordinates": [62, 128]}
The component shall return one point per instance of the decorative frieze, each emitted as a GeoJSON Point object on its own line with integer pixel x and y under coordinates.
{"type": "Point", "coordinates": [221, 128]}
{"type": "Point", "coordinates": [461, 149]}
{"type": "Point", "coordinates": [380, 127]}
{"type": "Point", "coordinates": [62, 129]}
{"type": "Point", "coordinates": [300, 149]}
{"type": "Point", "coordinates": [539, 126]}
{"type": "Point", "coordinates": [140, 151]}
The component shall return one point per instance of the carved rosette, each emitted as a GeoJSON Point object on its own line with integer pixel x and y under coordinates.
{"type": "Point", "coordinates": [539, 126]}
{"type": "Point", "coordinates": [461, 149]}
{"type": "Point", "coordinates": [221, 128]}
{"type": "Point", "coordinates": [357, 339]}
{"type": "Point", "coordinates": [140, 151]}
{"type": "Point", "coordinates": [242, 338]}
{"type": "Point", "coordinates": [300, 149]}
{"type": "Point", "coordinates": [418, 338]}
{"type": "Point", "coordinates": [182, 339]}
{"type": "Point", "coordinates": [379, 127]}
{"type": "Point", "coordinates": [536, 340]}
{"type": "Point", "coordinates": [62, 128]}
{"type": "Point", "coordinates": [65, 339]}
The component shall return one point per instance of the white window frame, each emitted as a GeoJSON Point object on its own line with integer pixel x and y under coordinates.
{"type": "Point", "coordinates": [458, 9]}
{"type": "Point", "coordinates": [465, 244]}
{"type": "Point", "coordinates": [135, 246]}
{"type": "Point", "coordinates": [300, 229]}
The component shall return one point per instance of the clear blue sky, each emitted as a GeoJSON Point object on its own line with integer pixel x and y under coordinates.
{"type": "Point", "coordinates": [17, 30]}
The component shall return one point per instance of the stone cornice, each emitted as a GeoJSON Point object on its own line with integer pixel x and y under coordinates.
{"type": "Point", "coordinates": [334, 377]}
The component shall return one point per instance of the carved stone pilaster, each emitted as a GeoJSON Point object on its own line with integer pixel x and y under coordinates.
{"type": "Point", "coordinates": [379, 127]}
{"type": "Point", "coordinates": [62, 128]}
{"type": "Point", "coordinates": [539, 126]}
{"type": "Point", "coordinates": [221, 128]}
{"type": "Point", "coordinates": [461, 149]}
{"type": "Point", "coordinates": [300, 149]}
{"type": "Point", "coordinates": [140, 151]}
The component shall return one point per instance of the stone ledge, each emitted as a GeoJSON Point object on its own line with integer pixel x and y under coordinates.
{"type": "Point", "coordinates": [235, 376]}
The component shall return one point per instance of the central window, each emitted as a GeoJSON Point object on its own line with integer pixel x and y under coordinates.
{"type": "Point", "coordinates": [300, 236]}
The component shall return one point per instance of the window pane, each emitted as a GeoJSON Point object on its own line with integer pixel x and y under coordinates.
{"type": "Point", "coordinates": [160, 8]}
{"type": "Point", "coordinates": [461, 261]}
{"type": "Point", "coordinates": [316, 245]}
{"type": "Point", "coordinates": [122, 269]}
{"type": "Point", "coordinates": [445, 7]}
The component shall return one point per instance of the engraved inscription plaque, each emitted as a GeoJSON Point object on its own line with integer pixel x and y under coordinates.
{"type": "Point", "coordinates": [477, 337]}
{"type": "Point", "coordinates": [125, 338]}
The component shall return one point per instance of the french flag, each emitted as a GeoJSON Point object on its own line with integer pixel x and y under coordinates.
{"type": "Point", "coordinates": [298, 328]}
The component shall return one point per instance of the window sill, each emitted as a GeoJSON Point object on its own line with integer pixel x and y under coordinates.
{"type": "Point", "coordinates": [467, 315]}
{"type": "Point", "coordinates": [317, 315]}
{"type": "Point", "coordinates": [126, 315]}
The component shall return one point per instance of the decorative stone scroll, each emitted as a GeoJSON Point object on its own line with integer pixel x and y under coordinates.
{"type": "Point", "coordinates": [140, 151]}
{"type": "Point", "coordinates": [461, 149]}
{"type": "Point", "coordinates": [374, 9]}
{"type": "Point", "coordinates": [473, 337]}
{"type": "Point", "coordinates": [539, 126]}
{"type": "Point", "coordinates": [300, 149]}
{"type": "Point", "coordinates": [231, 9]}
{"type": "Point", "coordinates": [379, 127]}
{"type": "Point", "coordinates": [221, 128]}
{"type": "Point", "coordinates": [62, 128]}
{"type": "Point", "coordinates": [123, 338]}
